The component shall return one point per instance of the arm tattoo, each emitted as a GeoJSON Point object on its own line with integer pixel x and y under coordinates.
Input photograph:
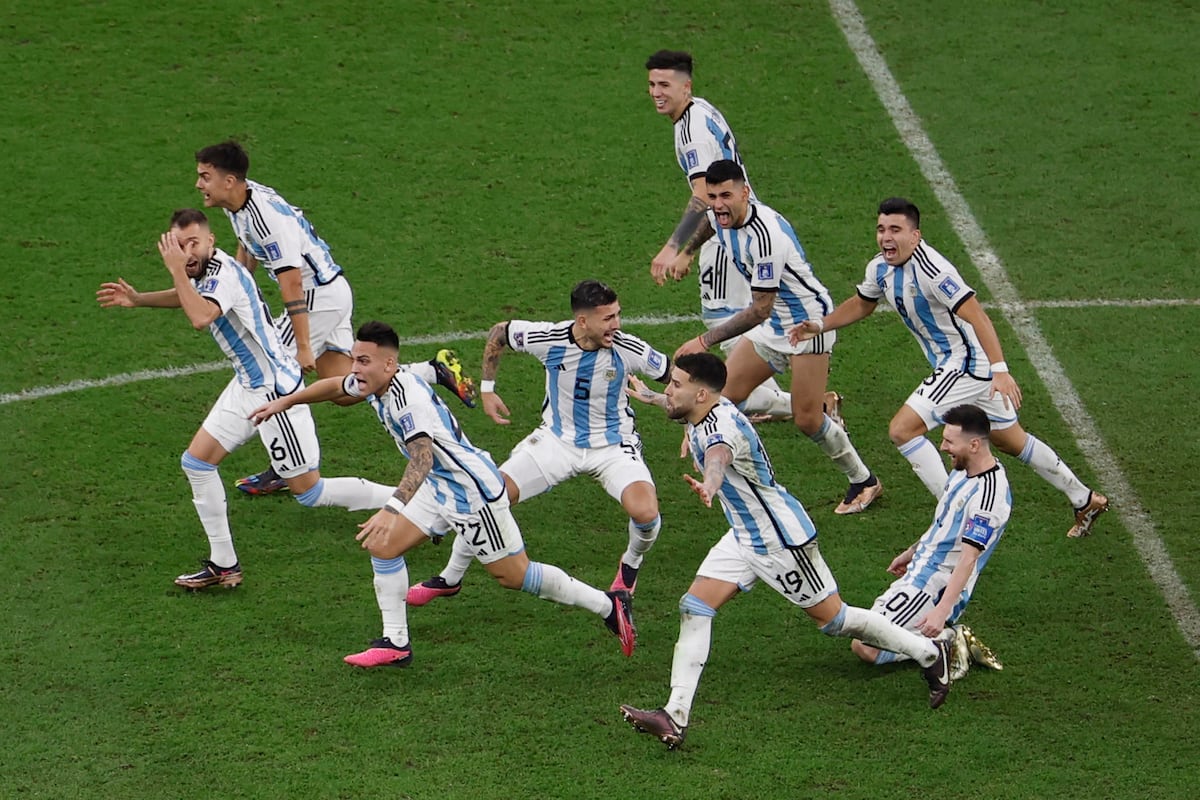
{"type": "Point", "coordinates": [716, 459]}
{"type": "Point", "coordinates": [750, 316]}
{"type": "Point", "coordinates": [692, 216]}
{"type": "Point", "coordinates": [492, 350]}
{"type": "Point", "coordinates": [420, 462]}
{"type": "Point", "coordinates": [703, 233]}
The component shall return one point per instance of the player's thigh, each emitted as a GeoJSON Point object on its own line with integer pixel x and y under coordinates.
{"type": "Point", "coordinates": [290, 439]}
{"type": "Point", "coordinates": [228, 421]}
{"type": "Point", "coordinates": [623, 473]}
{"type": "Point", "coordinates": [403, 537]}
{"type": "Point", "coordinates": [747, 368]}
{"type": "Point", "coordinates": [333, 364]}
{"type": "Point", "coordinates": [944, 389]}
{"type": "Point", "coordinates": [800, 575]}
{"type": "Point", "coordinates": [490, 533]}
{"type": "Point", "coordinates": [538, 463]}
{"type": "Point", "coordinates": [810, 372]}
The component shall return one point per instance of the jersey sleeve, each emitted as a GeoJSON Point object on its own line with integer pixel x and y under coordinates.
{"type": "Point", "coordinates": [415, 415]}
{"type": "Point", "coordinates": [221, 288]}
{"type": "Point", "coordinates": [699, 150]}
{"type": "Point", "coordinates": [769, 263]}
{"type": "Point", "coordinates": [528, 337]}
{"type": "Point", "coordinates": [871, 288]}
{"type": "Point", "coordinates": [945, 285]}
{"type": "Point", "coordinates": [641, 357]}
{"type": "Point", "coordinates": [283, 245]}
{"type": "Point", "coordinates": [984, 519]}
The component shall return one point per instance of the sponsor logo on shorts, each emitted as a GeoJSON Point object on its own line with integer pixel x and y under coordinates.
{"type": "Point", "coordinates": [949, 287]}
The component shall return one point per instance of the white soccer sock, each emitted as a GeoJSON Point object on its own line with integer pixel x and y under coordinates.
{"type": "Point", "coordinates": [691, 654]}
{"type": "Point", "coordinates": [767, 398]}
{"type": "Point", "coordinates": [551, 583]}
{"type": "Point", "coordinates": [460, 559]}
{"type": "Point", "coordinates": [927, 462]}
{"type": "Point", "coordinates": [208, 496]}
{"type": "Point", "coordinates": [391, 593]}
{"type": "Point", "coordinates": [423, 370]}
{"type": "Point", "coordinates": [641, 538]}
{"type": "Point", "coordinates": [878, 631]}
{"type": "Point", "coordinates": [354, 494]}
{"type": "Point", "coordinates": [1045, 462]}
{"type": "Point", "coordinates": [834, 443]}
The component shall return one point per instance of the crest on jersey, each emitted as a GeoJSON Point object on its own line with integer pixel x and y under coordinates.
{"type": "Point", "coordinates": [655, 359]}
{"type": "Point", "coordinates": [949, 287]}
{"type": "Point", "coordinates": [765, 270]}
{"type": "Point", "coordinates": [406, 423]}
{"type": "Point", "coordinates": [979, 530]}
{"type": "Point", "coordinates": [692, 159]}
{"type": "Point", "coordinates": [208, 287]}
{"type": "Point", "coordinates": [610, 374]}
{"type": "Point", "coordinates": [273, 252]}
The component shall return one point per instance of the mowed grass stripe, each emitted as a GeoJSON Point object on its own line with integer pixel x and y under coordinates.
{"type": "Point", "coordinates": [1021, 318]}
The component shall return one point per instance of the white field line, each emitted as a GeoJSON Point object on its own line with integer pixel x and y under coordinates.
{"type": "Point", "coordinates": [124, 378]}
{"type": "Point", "coordinates": [1020, 316]}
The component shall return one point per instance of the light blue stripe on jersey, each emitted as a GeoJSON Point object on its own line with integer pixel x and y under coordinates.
{"type": "Point", "coordinates": [243, 359]}
{"type": "Point", "coordinates": [554, 357]}
{"type": "Point", "coordinates": [948, 523]}
{"type": "Point", "coordinates": [938, 344]}
{"type": "Point", "coordinates": [612, 412]}
{"type": "Point", "coordinates": [723, 138]}
{"type": "Point", "coordinates": [581, 408]}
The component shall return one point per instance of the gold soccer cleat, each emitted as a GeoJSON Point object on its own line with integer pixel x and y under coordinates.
{"type": "Point", "coordinates": [981, 654]}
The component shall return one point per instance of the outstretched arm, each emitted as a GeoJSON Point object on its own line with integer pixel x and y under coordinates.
{"type": "Point", "coordinates": [325, 389]}
{"type": "Point", "coordinates": [493, 404]}
{"type": "Point", "coordinates": [122, 295]}
{"type": "Point", "coordinates": [749, 317]}
{"type": "Point", "coordinates": [849, 312]}
{"type": "Point", "coordinates": [420, 463]}
{"type": "Point", "coordinates": [716, 459]}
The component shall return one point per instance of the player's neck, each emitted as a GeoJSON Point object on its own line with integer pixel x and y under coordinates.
{"type": "Point", "coordinates": [238, 197]}
{"type": "Point", "coordinates": [682, 109]}
{"type": "Point", "coordinates": [981, 465]}
{"type": "Point", "coordinates": [698, 413]}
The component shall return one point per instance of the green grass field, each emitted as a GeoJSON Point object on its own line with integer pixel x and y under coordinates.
{"type": "Point", "coordinates": [470, 163]}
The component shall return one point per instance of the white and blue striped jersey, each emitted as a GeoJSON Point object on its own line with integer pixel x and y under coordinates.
{"type": "Point", "coordinates": [926, 290]}
{"type": "Point", "coordinates": [702, 136]}
{"type": "Point", "coordinates": [245, 330]}
{"type": "Point", "coordinates": [585, 403]}
{"type": "Point", "coordinates": [767, 253]}
{"type": "Point", "coordinates": [973, 512]}
{"type": "Point", "coordinates": [764, 516]}
{"type": "Point", "coordinates": [464, 478]}
{"type": "Point", "coordinates": [278, 235]}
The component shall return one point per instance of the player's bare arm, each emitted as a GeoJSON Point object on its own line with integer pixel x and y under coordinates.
{"type": "Point", "coordinates": [291, 288]}
{"type": "Point", "coordinates": [317, 392]}
{"type": "Point", "coordinates": [752, 315]}
{"type": "Point", "coordinates": [493, 348]}
{"type": "Point", "coordinates": [387, 519]}
{"type": "Point", "coordinates": [933, 622]}
{"type": "Point", "coordinates": [638, 390]}
{"type": "Point", "coordinates": [666, 260]}
{"type": "Point", "coordinates": [900, 563]}
{"type": "Point", "coordinates": [245, 259]}
{"type": "Point", "coordinates": [849, 312]}
{"type": "Point", "coordinates": [716, 459]}
{"type": "Point", "coordinates": [1002, 382]}
{"type": "Point", "coordinates": [121, 294]}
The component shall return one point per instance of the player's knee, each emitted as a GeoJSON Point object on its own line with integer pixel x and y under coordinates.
{"type": "Point", "coordinates": [808, 420]}
{"type": "Point", "coordinates": [690, 604]}
{"type": "Point", "coordinates": [189, 463]}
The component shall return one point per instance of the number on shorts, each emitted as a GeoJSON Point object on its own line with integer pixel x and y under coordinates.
{"type": "Point", "coordinates": [792, 583]}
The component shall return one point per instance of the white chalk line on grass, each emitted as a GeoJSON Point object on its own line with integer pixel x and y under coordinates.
{"type": "Point", "coordinates": [124, 378]}
{"type": "Point", "coordinates": [1020, 316]}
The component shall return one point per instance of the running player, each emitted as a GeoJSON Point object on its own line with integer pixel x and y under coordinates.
{"type": "Point", "coordinates": [770, 538]}
{"type": "Point", "coordinates": [957, 336]}
{"type": "Point", "coordinates": [764, 248]}
{"type": "Point", "coordinates": [587, 424]}
{"type": "Point", "coordinates": [216, 292]}
{"type": "Point", "coordinates": [448, 485]}
{"type": "Point", "coordinates": [317, 298]}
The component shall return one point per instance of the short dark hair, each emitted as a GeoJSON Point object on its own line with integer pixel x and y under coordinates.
{"type": "Point", "coordinates": [678, 60]}
{"type": "Point", "coordinates": [591, 294]}
{"type": "Point", "coordinates": [228, 156]}
{"type": "Point", "coordinates": [899, 205]}
{"type": "Point", "coordinates": [970, 418]}
{"type": "Point", "coordinates": [704, 369]}
{"type": "Point", "coordinates": [188, 216]}
{"type": "Point", "coordinates": [380, 333]}
{"type": "Point", "coordinates": [724, 170]}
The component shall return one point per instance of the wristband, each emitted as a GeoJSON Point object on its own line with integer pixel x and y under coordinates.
{"type": "Point", "coordinates": [703, 343]}
{"type": "Point", "coordinates": [487, 386]}
{"type": "Point", "coordinates": [999, 366]}
{"type": "Point", "coordinates": [394, 505]}
{"type": "Point", "coordinates": [820, 324]}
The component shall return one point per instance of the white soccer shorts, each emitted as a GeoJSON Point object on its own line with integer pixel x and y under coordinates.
{"type": "Point", "coordinates": [330, 308]}
{"type": "Point", "coordinates": [904, 603]}
{"type": "Point", "coordinates": [491, 532]}
{"type": "Point", "coordinates": [800, 574]}
{"type": "Point", "coordinates": [290, 438]}
{"type": "Point", "coordinates": [944, 389]}
{"type": "Point", "coordinates": [541, 461]}
{"type": "Point", "coordinates": [777, 351]}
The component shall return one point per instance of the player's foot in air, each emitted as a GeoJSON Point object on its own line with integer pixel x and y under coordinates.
{"type": "Point", "coordinates": [937, 674]}
{"type": "Point", "coordinates": [435, 587]}
{"type": "Point", "coordinates": [381, 653]}
{"type": "Point", "coordinates": [265, 482]}
{"type": "Point", "coordinates": [658, 723]}
{"type": "Point", "coordinates": [1085, 517]}
{"type": "Point", "coordinates": [833, 409]}
{"type": "Point", "coordinates": [450, 374]}
{"type": "Point", "coordinates": [211, 575]}
{"type": "Point", "coordinates": [626, 579]}
{"type": "Point", "coordinates": [620, 621]}
{"type": "Point", "coordinates": [860, 495]}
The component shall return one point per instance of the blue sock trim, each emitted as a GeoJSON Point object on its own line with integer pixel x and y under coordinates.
{"type": "Point", "coordinates": [690, 604]}
{"type": "Point", "coordinates": [1027, 450]}
{"type": "Point", "coordinates": [885, 657]}
{"type": "Point", "coordinates": [834, 626]}
{"type": "Point", "coordinates": [646, 527]}
{"type": "Point", "coordinates": [387, 566]}
{"type": "Point", "coordinates": [189, 461]}
{"type": "Point", "coordinates": [913, 445]}
{"type": "Point", "coordinates": [311, 497]}
{"type": "Point", "coordinates": [821, 431]}
{"type": "Point", "coordinates": [533, 579]}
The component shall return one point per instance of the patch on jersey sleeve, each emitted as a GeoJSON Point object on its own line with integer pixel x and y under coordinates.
{"type": "Point", "coordinates": [949, 287]}
{"type": "Point", "coordinates": [519, 339]}
{"type": "Point", "coordinates": [208, 287]}
{"type": "Point", "coordinates": [692, 159]}
{"type": "Point", "coordinates": [655, 359]}
{"type": "Point", "coordinates": [765, 270]}
{"type": "Point", "coordinates": [273, 252]}
{"type": "Point", "coordinates": [716, 438]}
{"type": "Point", "coordinates": [979, 530]}
{"type": "Point", "coordinates": [406, 423]}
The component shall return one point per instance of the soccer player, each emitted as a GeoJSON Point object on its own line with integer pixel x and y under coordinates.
{"type": "Point", "coordinates": [317, 298]}
{"type": "Point", "coordinates": [764, 248]}
{"type": "Point", "coordinates": [216, 292]}
{"type": "Point", "coordinates": [587, 424]}
{"type": "Point", "coordinates": [770, 538]}
{"type": "Point", "coordinates": [702, 136]}
{"type": "Point", "coordinates": [936, 576]}
{"type": "Point", "coordinates": [448, 484]}
{"type": "Point", "coordinates": [958, 339]}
